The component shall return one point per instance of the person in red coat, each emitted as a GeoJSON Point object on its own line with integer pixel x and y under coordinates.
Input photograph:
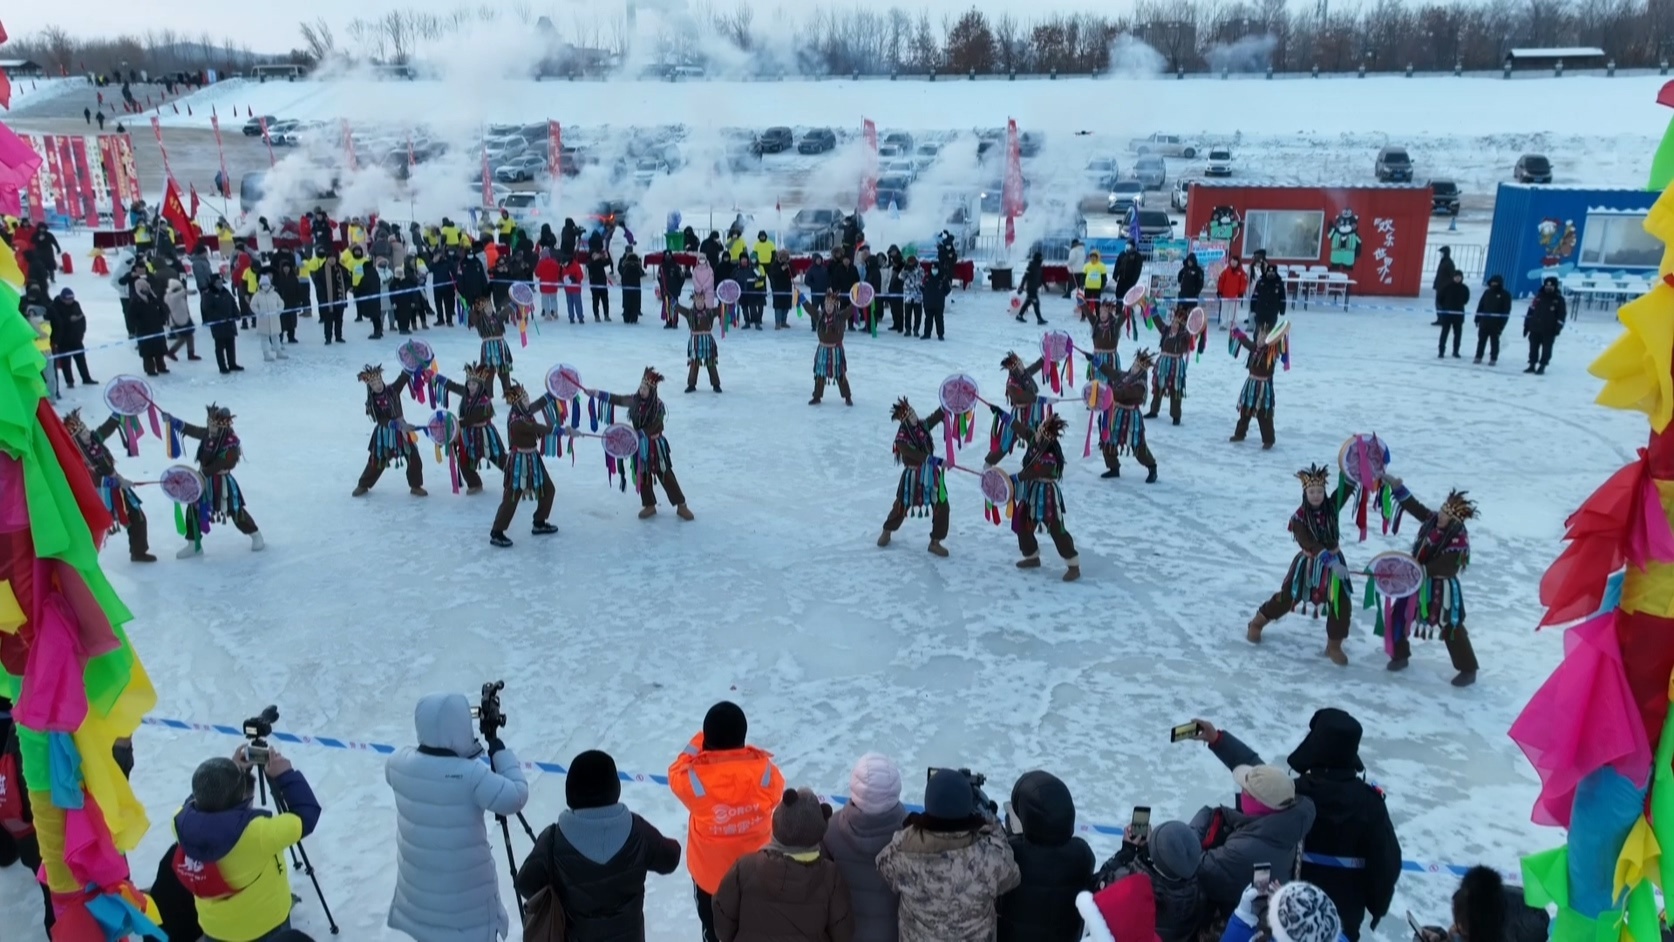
{"type": "Point", "coordinates": [1231, 288]}
{"type": "Point", "coordinates": [573, 275]}
{"type": "Point", "coordinates": [547, 274]}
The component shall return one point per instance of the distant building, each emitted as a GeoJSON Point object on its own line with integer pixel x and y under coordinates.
{"type": "Point", "coordinates": [1538, 58]}
{"type": "Point", "coordinates": [562, 59]}
{"type": "Point", "coordinates": [21, 68]}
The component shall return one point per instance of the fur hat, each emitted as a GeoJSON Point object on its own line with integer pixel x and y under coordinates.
{"type": "Point", "coordinates": [1458, 506]}
{"type": "Point", "coordinates": [800, 820]}
{"type": "Point", "coordinates": [1052, 428]}
{"type": "Point", "coordinates": [1301, 912]}
{"type": "Point", "coordinates": [725, 726]}
{"type": "Point", "coordinates": [219, 415]}
{"type": "Point", "coordinates": [875, 783]}
{"type": "Point", "coordinates": [218, 785]}
{"type": "Point", "coordinates": [1143, 361]}
{"type": "Point", "coordinates": [1012, 361]}
{"type": "Point", "coordinates": [1267, 784]}
{"type": "Point", "coordinates": [1314, 475]}
{"type": "Point", "coordinates": [479, 371]}
{"type": "Point", "coordinates": [651, 376]}
{"type": "Point", "coordinates": [370, 372]}
{"type": "Point", "coordinates": [516, 395]}
{"type": "Point", "coordinates": [901, 409]}
{"type": "Point", "coordinates": [73, 422]}
{"type": "Point", "coordinates": [592, 781]}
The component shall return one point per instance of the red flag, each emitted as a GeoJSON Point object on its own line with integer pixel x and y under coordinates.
{"type": "Point", "coordinates": [1011, 190]}
{"type": "Point", "coordinates": [175, 213]}
{"type": "Point", "coordinates": [2, 32]}
{"type": "Point", "coordinates": [554, 150]}
{"type": "Point", "coordinates": [194, 188]}
{"type": "Point", "coordinates": [869, 183]}
{"type": "Point", "coordinates": [5, 92]}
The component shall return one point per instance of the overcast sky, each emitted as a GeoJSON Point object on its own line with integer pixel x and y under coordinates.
{"type": "Point", "coordinates": [272, 27]}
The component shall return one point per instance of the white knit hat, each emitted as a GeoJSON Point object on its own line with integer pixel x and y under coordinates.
{"type": "Point", "coordinates": [875, 783]}
{"type": "Point", "coordinates": [1301, 912]}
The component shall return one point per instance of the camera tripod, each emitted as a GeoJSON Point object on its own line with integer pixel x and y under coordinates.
{"type": "Point", "coordinates": [256, 753]}
{"type": "Point", "coordinates": [490, 720]}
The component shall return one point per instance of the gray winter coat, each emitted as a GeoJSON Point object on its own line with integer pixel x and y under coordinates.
{"type": "Point", "coordinates": [1274, 839]}
{"type": "Point", "coordinates": [854, 840]}
{"type": "Point", "coordinates": [447, 887]}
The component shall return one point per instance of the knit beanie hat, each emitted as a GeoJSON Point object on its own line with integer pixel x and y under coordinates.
{"type": "Point", "coordinates": [1124, 911]}
{"type": "Point", "coordinates": [1176, 850]}
{"type": "Point", "coordinates": [592, 781]}
{"type": "Point", "coordinates": [724, 727]}
{"type": "Point", "coordinates": [875, 783]}
{"type": "Point", "coordinates": [218, 785]}
{"type": "Point", "coordinates": [948, 797]}
{"type": "Point", "coordinates": [799, 821]}
{"type": "Point", "coordinates": [1267, 784]}
{"type": "Point", "coordinates": [1301, 912]}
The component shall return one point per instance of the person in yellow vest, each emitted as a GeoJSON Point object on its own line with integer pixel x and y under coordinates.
{"type": "Point", "coordinates": [764, 249]}
{"type": "Point", "coordinates": [1093, 276]}
{"type": "Point", "coordinates": [35, 308]}
{"type": "Point", "coordinates": [432, 237]}
{"type": "Point", "coordinates": [353, 260]}
{"type": "Point", "coordinates": [506, 226]}
{"type": "Point", "coordinates": [736, 247]}
{"type": "Point", "coordinates": [450, 233]}
{"type": "Point", "coordinates": [224, 235]}
{"type": "Point", "coordinates": [357, 231]}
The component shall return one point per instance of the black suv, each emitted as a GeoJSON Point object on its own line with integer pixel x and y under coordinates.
{"type": "Point", "coordinates": [1532, 168]}
{"type": "Point", "coordinates": [253, 127]}
{"type": "Point", "coordinates": [1444, 197]}
{"type": "Point", "coordinates": [1393, 166]}
{"type": "Point", "coordinates": [817, 141]}
{"type": "Point", "coordinates": [774, 141]}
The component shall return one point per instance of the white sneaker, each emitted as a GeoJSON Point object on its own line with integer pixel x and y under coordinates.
{"type": "Point", "coordinates": [283, 355]}
{"type": "Point", "coordinates": [267, 356]}
{"type": "Point", "coordinates": [188, 551]}
{"type": "Point", "coordinates": [257, 544]}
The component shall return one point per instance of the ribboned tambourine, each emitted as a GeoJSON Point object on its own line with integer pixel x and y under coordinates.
{"type": "Point", "coordinates": [729, 291]}
{"type": "Point", "coordinates": [1279, 330]}
{"type": "Point", "coordinates": [862, 294]}
{"type": "Point", "coordinates": [1135, 294]}
{"type": "Point", "coordinates": [563, 381]}
{"type": "Point", "coordinates": [1397, 575]}
{"type": "Point", "coordinates": [959, 394]}
{"type": "Point", "coordinates": [620, 440]}
{"type": "Point", "coordinates": [522, 294]}
{"type": "Point", "coordinates": [1098, 396]}
{"type": "Point", "coordinates": [1363, 460]}
{"type": "Point", "coordinates": [1196, 321]}
{"type": "Point", "coordinates": [442, 427]}
{"type": "Point", "coordinates": [997, 486]}
{"type": "Point", "coordinates": [182, 484]}
{"type": "Point", "coordinates": [128, 395]}
{"type": "Point", "coordinates": [415, 356]}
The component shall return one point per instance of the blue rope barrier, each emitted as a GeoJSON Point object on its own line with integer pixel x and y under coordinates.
{"type": "Point", "coordinates": [648, 778]}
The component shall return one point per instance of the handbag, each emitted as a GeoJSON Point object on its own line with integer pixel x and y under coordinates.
{"type": "Point", "coordinates": [543, 917]}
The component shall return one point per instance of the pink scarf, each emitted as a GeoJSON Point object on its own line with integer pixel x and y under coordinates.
{"type": "Point", "coordinates": [1251, 806]}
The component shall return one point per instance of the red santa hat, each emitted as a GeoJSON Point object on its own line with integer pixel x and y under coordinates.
{"type": "Point", "coordinates": [1124, 911]}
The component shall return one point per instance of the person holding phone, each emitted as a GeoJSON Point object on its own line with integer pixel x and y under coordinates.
{"type": "Point", "coordinates": [1169, 856]}
{"type": "Point", "coordinates": [1351, 850]}
{"type": "Point", "coordinates": [1292, 912]}
{"type": "Point", "coordinates": [1054, 864]}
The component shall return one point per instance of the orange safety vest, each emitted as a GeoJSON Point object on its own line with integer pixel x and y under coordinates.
{"type": "Point", "coordinates": [731, 795]}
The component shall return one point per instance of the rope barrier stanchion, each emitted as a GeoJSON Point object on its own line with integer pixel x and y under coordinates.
{"type": "Point", "coordinates": [648, 778]}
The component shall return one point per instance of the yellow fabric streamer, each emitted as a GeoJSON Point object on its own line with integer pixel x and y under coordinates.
{"type": "Point", "coordinates": [11, 613]}
{"type": "Point", "coordinates": [1640, 859]}
{"type": "Point", "coordinates": [9, 270]}
{"type": "Point", "coordinates": [1650, 592]}
{"type": "Point", "coordinates": [1635, 368]}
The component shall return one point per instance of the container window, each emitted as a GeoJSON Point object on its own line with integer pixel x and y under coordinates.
{"type": "Point", "coordinates": [1618, 240]}
{"type": "Point", "coordinates": [1286, 234]}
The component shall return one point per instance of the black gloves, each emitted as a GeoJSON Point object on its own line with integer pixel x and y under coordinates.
{"type": "Point", "coordinates": [494, 746]}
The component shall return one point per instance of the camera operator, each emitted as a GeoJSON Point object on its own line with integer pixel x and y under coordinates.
{"type": "Point", "coordinates": [446, 886]}
{"type": "Point", "coordinates": [949, 865]}
{"type": "Point", "coordinates": [232, 854]}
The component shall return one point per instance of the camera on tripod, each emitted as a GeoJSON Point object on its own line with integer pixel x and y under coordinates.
{"type": "Point", "coordinates": [490, 718]}
{"type": "Point", "coordinates": [256, 729]}
{"type": "Point", "coordinates": [976, 780]}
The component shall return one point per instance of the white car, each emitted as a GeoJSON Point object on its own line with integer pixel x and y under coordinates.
{"type": "Point", "coordinates": [1219, 163]}
{"type": "Point", "coordinates": [1125, 194]}
{"type": "Point", "coordinates": [1180, 194]}
{"type": "Point", "coordinates": [925, 156]}
{"type": "Point", "coordinates": [904, 168]}
{"type": "Point", "coordinates": [886, 151]}
{"type": "Point", "coordinates": [1163, 145]}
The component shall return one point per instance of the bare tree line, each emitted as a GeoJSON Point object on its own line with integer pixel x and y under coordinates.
{"type": "Point", "coordinates": [1189, 35]}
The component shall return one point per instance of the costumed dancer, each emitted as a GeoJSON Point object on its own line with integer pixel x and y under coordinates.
{"type": "Point", "coordinates": [526, 476]}
{"type": "Point", "coordinates": [831, 321]}
{"type": "Point", "coordinates": [701, 348]}
{"type": "Point", "coordinates": [1317, 577]}
{"type": "Point", "coordinates": [1256, 400]}
{"type": "Point", "coordinates": [1443, 548]}
{"type": "Point", "coordinates": [218, 454]}
{"type": "Point", "coordinates": [1027, 408]}
{"type": "Point", "coordinates": [653, 461]}
{"type": "Point", "coordinates": [115, 490]}
{"type": "Point", "coordinates": [391, 442]}
{"type": "Point", "coordinates": [1040, 502]}
{"type": "Point", "coordinates": [490, 324]}
{"type": "Point", "coordinates": [1122, 426]}
{"type": "Point", "coordinates": [478, 440]}
{"type": "Point", "coordinates": [1169, 377]}
{"type": "Point", "coordinates": [923, 486]}
{"type": "Point", "coordinates": [1107, 333]}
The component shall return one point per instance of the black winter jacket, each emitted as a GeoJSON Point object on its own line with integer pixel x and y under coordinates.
{"type": "Point", "coordinates": [603, 902]}
{"type": "Point", "coordinates": [1054, 863]}
{"type": "Point", "coordinates": [69, 325]}
{"type": "Point", "coordinates": [1191, 282]}
{"type": "Point", "coordinates": [1129, 266]}
{"type": "Point", "coordinates": [472, 279]}
{"type": "Point", "coordinates": [220, 313]}
{"type": "Point", "coordinates": [1495, 301]}
{"type": "Point", "coordinates": [1267, 304]}
{"type": "Point", "coordinates": [1546, 316]}
{"type": "Point", "coordinates": [1444, 273]}
{"type": "Point", "coordinates": [1453, 297]}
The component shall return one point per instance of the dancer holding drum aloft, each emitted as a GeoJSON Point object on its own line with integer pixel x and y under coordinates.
{"type": "Point", "coordinates": [1027, 407]}
{"type": "Point", "coordinates": [490, 325]}
{"type": "Point", "coordinates": [1184, 330]}
{"type": "Point", "coordinates": [390, 443]}
{"type": "Point", "coordinates": [116, 491]}
{"type": "Point", "coordinates": [221, 499]}
{"type": "Point", "coordinates": [923, 486]}
{"type": "Point", "coordinates": [526, 476]}
{"type": "Point", "coordinates": [1107, 334]}
{"type": "Point", "coordinates": [1443, 548]}
{"type": "Point", "coordinates": [1121, 424]}
{"type": "Point", "coordinates": [1039, 500]}
{"type": "Point", "coordinates": [477, 440]}
{"type": "Point", "coordinates": [1264, 353]}
{"type": "Point", "coordinates": [1318, 576]}
{"type": "Point", "coordinates": [701, 348]}
{"type": "Point", "coordinates": [831, 321]}
{"type": "Point", "coordinates": [653, 461]}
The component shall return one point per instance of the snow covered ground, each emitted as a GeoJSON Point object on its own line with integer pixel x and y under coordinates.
{"type": "Point", "coordinates": [36, 91]}
{"type": "Point", "coordinates": [619, 633]}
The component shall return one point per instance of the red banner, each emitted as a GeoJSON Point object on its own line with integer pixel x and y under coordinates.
{"type": "Point", "coordinates": [157, 129]}
{"type": "Point", "coordinates": [89, 206]}
{"type": "Point", "coordinates": [869, 183]}
{"type": "Point", "coordinates": [349, 147]}
{"type": "Point", "coordinates": [487, 180]}
{"type": "Point", "coordinates": [554, 151]}
{"type": "Point", "coordinates": [224, 184]}
{"type": "Point", "coordinates": [69, 184]}
{"type": "Point", "coordinates": [37, 183]}
{"type": "Point", "coordinates": [54, 174]}
{"type": "Point", "coordinates": [113, 179]}
{"type": "Point", "coordinates": [1011, 190]}
{"type": "Point", "coordinates": [175, 213]}
{"type": "Point", "coordinates": [265, 140]}
{"type": "Point", "coordinates": [130, 174]}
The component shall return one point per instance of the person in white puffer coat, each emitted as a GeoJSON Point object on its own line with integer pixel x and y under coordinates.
{"type": "Point", "coordinates": [447, 888]}
{"type": "Point", "coordinates": [266, 304]}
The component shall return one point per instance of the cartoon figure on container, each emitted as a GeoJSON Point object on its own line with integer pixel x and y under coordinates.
{"type": "Point", "coordinates": [1224, 224]}
{"type": "Point", "coordinates": [1345, 240]}
{"type": "Point", "coordinates": [1557, 241]}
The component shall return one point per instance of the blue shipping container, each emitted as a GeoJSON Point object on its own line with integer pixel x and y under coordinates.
{"type": "Point", "coordinates": [1559, 230]}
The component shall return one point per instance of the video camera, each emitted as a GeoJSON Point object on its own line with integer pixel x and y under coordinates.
{"type": "Point", "coordinates": [976, 780]}
{"type": "Point", "coordinates": [256, 729]}
{"type": "Point", "coordinates": [490, 718]}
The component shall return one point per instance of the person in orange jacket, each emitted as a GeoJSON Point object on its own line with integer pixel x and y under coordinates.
{"type": "Point", "coordinates": [1233, 286]}
{"type": "Point", "coordinates": [730, 789]}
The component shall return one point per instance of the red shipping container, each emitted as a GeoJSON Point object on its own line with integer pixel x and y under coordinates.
{"type": "Point", "coordinates": [1374, 234]}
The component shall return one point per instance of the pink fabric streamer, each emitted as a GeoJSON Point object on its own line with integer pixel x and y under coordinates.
{"type": "Point", "coordinates": [1649, 538]}
{"type": "Point", "coordinates": [18, 161]}
{"type": "Point", "coordinates": [1583, 718]}
{"type": "Point", "coordinates": [54, 698]}
{"type": "Point", "coordinates": [89, 851]}
{"type": "Point", "coordinates": [156, 424]}
{"type": "Point", "coordinates": [1087, 449]}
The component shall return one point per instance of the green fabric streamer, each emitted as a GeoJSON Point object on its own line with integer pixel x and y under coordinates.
{"type": "Point", "coordinates": [1641, 914]}
{"type": "Point", "coordinates": [1662, 164]}
{"type": "Point", "coordinates": [1662, 802]}
{"type": "Point", "coordinates": [1546, 882]}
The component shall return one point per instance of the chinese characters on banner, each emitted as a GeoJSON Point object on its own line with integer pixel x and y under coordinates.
{"type": "Point", "coordinates": [1384, 254]}
{"type": "Point", "coordinates": [78, 174]}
